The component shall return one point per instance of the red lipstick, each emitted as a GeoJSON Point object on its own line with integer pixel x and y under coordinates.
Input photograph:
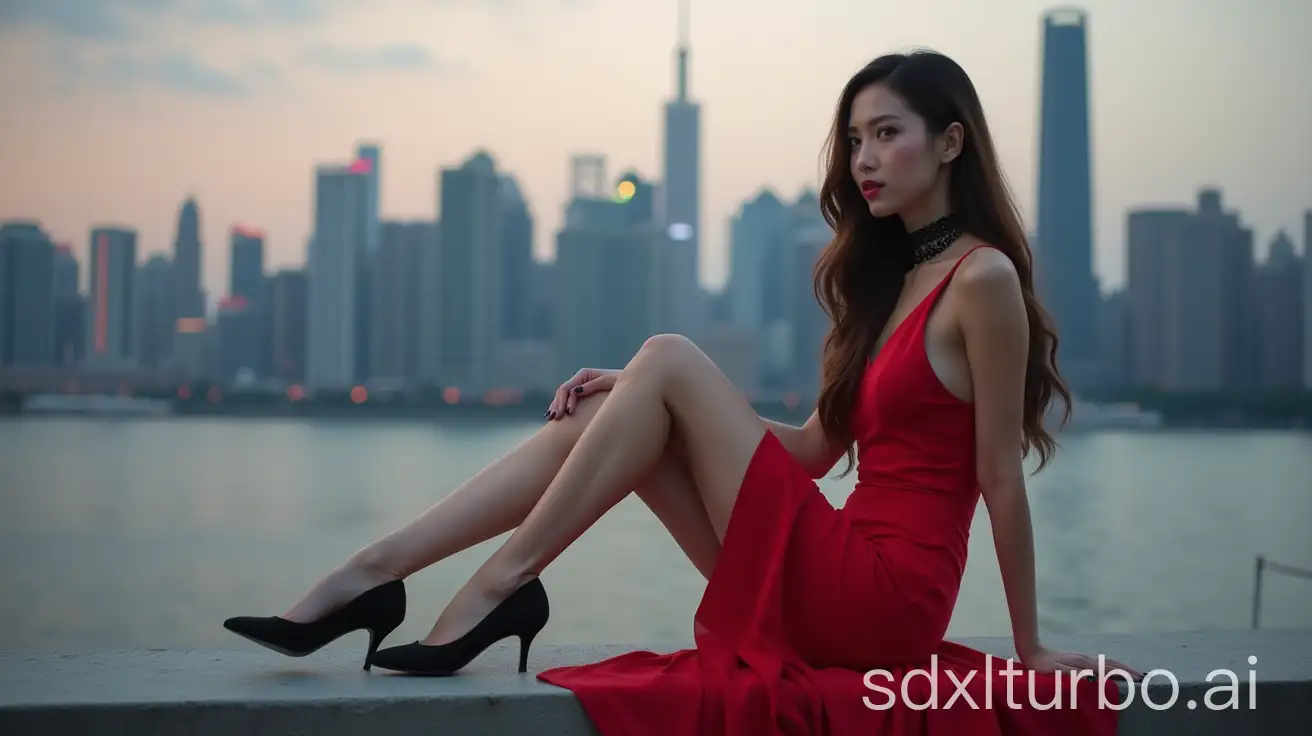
{"type": "Point", "coordinates": [870, 189]}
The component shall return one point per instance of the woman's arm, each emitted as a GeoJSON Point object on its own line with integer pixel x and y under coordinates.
{"type": "Point", "coordinates": [808, 443]}
{"type": "Point", "coordinates": [995, 330]}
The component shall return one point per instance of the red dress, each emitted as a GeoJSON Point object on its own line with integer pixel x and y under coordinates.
{"type": "Point", "coordinates": [806, 599]}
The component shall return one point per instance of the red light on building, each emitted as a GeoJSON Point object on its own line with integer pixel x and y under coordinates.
{"type": "Point", "coordinates": [184, 392]}
{"type": "Point", "coordinates": [248, 232]}
{"type": "Point", "coordinates": [234, 303]}
{"type": "Point", "coordinates": [190, 325]}
{"type": "Point", "coordinates": [451, 395]}
{"type": "Point", "coordinates": [359, 395]}
{"type": "Point", "coordinates": [360, 166]}
{"type": "Point", "coordinates": [214, 394]}
{"type": "Point", "coordinates": [295, 393]}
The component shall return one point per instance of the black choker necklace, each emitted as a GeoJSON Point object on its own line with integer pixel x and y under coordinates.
{"type": "Point", "coordinates": [929, 241]}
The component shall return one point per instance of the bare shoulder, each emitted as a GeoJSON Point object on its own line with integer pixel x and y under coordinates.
{"type": "Point", "coordinates": [988, 278]}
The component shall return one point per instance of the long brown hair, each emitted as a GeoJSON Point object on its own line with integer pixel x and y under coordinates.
{"type": "Point", "coordinates": [860, 274]}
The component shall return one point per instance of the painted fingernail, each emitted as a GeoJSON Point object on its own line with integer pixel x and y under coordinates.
{"type": "Point", "coordinates": [578, 389]}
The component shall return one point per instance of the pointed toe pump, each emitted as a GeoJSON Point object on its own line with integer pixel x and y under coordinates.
{"type": "Point", "coordinates": [523, 614]}
{"type": "Point", "coordinates": [378, 610]}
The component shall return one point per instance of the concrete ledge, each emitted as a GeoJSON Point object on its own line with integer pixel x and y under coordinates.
{"type": "Point", "coordinates": [254, 692]}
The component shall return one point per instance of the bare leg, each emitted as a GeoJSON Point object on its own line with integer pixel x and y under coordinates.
{"type": "Point", "coordinates": [495, 501]}
{"type": "Point", "coordinates": [669, 386]}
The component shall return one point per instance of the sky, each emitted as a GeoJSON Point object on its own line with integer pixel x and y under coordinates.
{"type": "Point", "coordinates": [113, 111]}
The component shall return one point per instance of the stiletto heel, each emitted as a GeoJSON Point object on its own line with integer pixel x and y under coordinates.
{"type": "Point", "coordinates": [525, 641]}
{"type": "Point", "coordinates": [379, 610]}
{"type": "Point", "coordinates": [523, 614]}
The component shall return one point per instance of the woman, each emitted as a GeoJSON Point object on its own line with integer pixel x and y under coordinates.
{"type": "Point", "coordinates": [939, 368]}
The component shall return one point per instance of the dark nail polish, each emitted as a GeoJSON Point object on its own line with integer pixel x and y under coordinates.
{"type": "Point", "coordinates": [578, 389]}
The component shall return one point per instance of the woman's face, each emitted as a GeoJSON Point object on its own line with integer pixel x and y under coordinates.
{"type": "Point", "coordinates": [895, 162]}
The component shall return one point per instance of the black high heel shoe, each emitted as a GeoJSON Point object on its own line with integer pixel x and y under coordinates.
{"type": "Point", "coordinates": [523, 614]}
{"type": "Point", "coordinates": [378, 610]}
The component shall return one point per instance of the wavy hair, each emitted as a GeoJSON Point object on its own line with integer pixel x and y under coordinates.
{"type": "Point", "coordinates": [860, 273]}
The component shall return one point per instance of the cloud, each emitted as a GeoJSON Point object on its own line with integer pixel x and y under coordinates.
{"type": "Point", "coordinates": [257, 13]}
{"type": "Point", "coordinates": [106, 20]}
{"type": "Point", "coordinates": [125, 20]}
{"type": "Point", "coordinates": [175, 71]}
{"type": "Point", "coordinates": [397, 57]}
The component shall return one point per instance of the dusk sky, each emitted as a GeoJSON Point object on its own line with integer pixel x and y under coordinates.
{"type": "Point", "coordinates": [114, 110]}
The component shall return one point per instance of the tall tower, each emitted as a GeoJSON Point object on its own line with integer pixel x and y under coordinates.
{"type": "Point", "coordinates": [341, 215]}
{"type": "Point", "coordinates": [190, 298]}
{"type": "Point", "coordinates": [1064, 251]}
{"type": "Point", "coordinates": [682, 193]}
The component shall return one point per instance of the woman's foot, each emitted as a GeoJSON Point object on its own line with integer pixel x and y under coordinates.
{"type": "Point", "coordinates": [338, 588]}
{"type": "Point", "coordinates": [472, 603]}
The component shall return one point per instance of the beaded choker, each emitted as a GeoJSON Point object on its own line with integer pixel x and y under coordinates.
{"type": "Point", "coordinates": [929, 241]}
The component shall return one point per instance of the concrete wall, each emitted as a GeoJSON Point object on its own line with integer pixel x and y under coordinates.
{"type": "Point", "coordinates": [251, 691]}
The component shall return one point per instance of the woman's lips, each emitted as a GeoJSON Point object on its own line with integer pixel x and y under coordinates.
{"type": "Point", "coordinates": [870, 189]}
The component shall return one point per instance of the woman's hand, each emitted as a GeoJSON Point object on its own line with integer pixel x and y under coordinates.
{"type": "Point", "coordinates": [1046, 660]}
{"type": "Point", "coordinates": [585, 382]}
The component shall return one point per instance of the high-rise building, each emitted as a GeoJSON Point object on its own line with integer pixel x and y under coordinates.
{"type": "Point", "coordinates": [1278, 294]}
{"type": "Point", "coordinates": [153, 295]}
{"type": "Point", "coordinates": [609, 278]}
{"type": "Point", "coordinates": [246, 275]}
{"type": "Point", "coordinates": [341, 212]}
{"type": "Point", "coordinates": [27, 295]}
{"type": "Point", "coordinates": [70, 309]}
{"type": "Point", "coordinates": [759, 245]}
{"type": "Point", "coordinates": [1064, 248]}
{"type": "Point", "coordinates": [373, 155]}
{"type": "Point", "coordinates": [463, 336]}
{"type": "Point", "coordinates": [110, 336]}
{"type": "Point", "coordinates": [516, 260]}
{"type": "Point", "coordinates": [681, 193]}
{"type": "Point", "coordinates": [240, 340]}
{"type": "Point", "coordinates": [1190, 295]}
{"type": "Point", "coordinates": [1307, 299]}
{"type": "Point", "coordinates": [288, 303]}
{"type": "Point", "coordinates": [187, 262]}
{"type": "Point", "coordinates": [398, 278]}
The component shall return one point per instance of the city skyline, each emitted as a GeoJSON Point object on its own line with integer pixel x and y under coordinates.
{"type": "Point", "coordinates": [253, 150]}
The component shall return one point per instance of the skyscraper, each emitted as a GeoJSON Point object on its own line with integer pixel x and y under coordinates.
{"type": "Point", "coordinates": [682, 194]}
{"type": "Point", "coordinates": [153, 295]}
{"type": "Point", "coordinates": [373, 154]}
{"type": "Point", "coordinates": [27, 295]}
{"type": "Point", "coordinates": [340, 229]}
{"type": "Point", "coordinates": [287, 325]}
{"type": "Point", "coordinates": [464, 336]}
{"type": "Point", "coordinates": [516, 260]}
{"type": "Point", "coordinates": [611, 285]}
{"type": "Point", "coordinates": [110, 338]}
{"type": "Point", "coordinates": [190, 299]}
{"type": "Point", "coordinates": [246, 276]}
{"type": "Point", "coordinates": [1064, 251]}
{"type": "Point", "coordinates": [1307, 299]}
{"type": "Point", "coordinates": [397, 310]}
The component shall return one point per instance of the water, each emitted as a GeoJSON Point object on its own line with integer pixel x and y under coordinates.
{"type": "Point", "coordinates": [148, 533]}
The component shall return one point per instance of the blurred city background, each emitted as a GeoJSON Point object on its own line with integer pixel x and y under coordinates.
{"type": "Point", "coordinates": [275, 276]}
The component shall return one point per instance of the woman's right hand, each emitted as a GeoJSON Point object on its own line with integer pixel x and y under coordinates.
{"type": "Point", "coordinates": [585, 382]}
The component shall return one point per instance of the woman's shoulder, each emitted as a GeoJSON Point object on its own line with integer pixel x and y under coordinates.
{"type": "Point", "coordinates": [985, 266]}
{"type": "Point", "coordinates": [987, 276]}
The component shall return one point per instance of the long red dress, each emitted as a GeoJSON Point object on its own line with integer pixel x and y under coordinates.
{"type": "Point", "coordinates": [806, 599]}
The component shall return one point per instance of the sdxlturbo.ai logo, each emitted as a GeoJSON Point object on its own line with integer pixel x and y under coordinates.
{"type": "Point", "coordinates": [1221, 696]}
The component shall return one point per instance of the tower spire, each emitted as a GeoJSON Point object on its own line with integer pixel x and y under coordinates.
{"type": "Point", "coordinates": [683, 52]}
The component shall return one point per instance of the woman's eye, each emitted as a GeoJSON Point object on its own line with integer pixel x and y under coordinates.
{"type": "Point", "coordinates": [883, 133]}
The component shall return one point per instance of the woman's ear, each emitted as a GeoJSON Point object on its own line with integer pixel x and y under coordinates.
{"type": "Point", "coordinates": [951, 143]}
